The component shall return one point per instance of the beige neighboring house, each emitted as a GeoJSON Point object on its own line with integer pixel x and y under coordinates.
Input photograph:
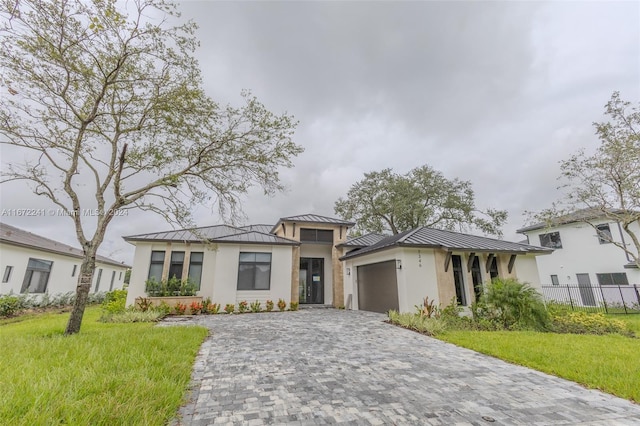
{"type": "Point", "coordinates": [33, 264]}
{"type": "Point", "coordinates": [309, 259]}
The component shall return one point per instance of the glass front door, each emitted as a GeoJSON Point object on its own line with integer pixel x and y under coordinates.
{"type": "Point", "coordinates": [311, 282]}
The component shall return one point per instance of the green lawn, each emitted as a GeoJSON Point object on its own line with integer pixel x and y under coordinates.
{"type": "Point", "coordinates": [109, 374]}
{"type": "Point", "coordinates": [610, 363]}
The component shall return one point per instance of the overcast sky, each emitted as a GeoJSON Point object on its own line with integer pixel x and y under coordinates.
{"type": "Point", "coordinates": [493, 92]}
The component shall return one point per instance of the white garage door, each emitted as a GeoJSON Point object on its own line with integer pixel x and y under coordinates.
{"type": "Point", "coordinates": [378, 287]}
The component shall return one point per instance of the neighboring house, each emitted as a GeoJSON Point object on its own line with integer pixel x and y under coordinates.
{"type": "Point", "coordinates": [30, 263]}
{"type": "Point", "coordinates": [585, 256]}
{"type": "Point", "coordinates": [309, 259]}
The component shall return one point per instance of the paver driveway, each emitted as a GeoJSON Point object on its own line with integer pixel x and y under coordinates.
{"type": "Point", "coordinates": [325, 366]}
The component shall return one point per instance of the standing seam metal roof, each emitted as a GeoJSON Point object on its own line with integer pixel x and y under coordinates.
{"type": "Point", "coordinates": [216, 233]}
{"type": "Point", "coordinates": [438, 238]}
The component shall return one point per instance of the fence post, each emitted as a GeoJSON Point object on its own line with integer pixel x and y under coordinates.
{"type": "Point", "coordinates": [622, 297]}
{"type": "Point", "coordinates": [570, 299]}
{"type": "Point", "coordinates": [604, 301]}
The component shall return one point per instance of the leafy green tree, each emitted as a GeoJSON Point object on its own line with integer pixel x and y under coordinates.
{"type": "Point", "coordinates": [386, 201]}
{"type": "Point", "coordinates": [605, 184]}
{"type": "Point", "coordinates": [106, 102]}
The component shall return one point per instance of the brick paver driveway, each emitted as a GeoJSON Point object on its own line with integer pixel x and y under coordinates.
{"type": "Point", "coordinates": [325, 366]}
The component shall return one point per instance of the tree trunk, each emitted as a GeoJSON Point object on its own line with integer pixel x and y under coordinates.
{"type": "Point", "coordinates": [82, 292]}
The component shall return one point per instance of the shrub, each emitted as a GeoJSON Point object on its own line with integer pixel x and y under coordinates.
{"type": "Point", "coordinates": [269, 305]}
{"type": "Point", "coordinates": [115, 301]}
{"type": "Point", "coordinates": [513, 305]}
{"type": "Point", "coordinates": [428, 309]}
{"type": "Point", "coordinates": [195, 307]}
{"type": "Point", "coordinates": [144, 304]}
{"type": "Point", "coordinates": [256, 306]}
{"type": "Point", "coordinates": [585, 323]}
{"type": "Point", "coordinates": [9, 306]}
{"type": "Point", "coordinates": [180, 308]}
{"type": "Point", "coordinates": [293, 306]}
{"type": "Point", "coordinates": [229, 308]}
{"type": "Point", "coordinates": [243, 307]}
{"type": "Point", "coordinates": [162, 308]}
{"type": "Point", "coordinates": [214, 308]}
{"type": "Point", "coordinates": [206, 305]}
{"type": "Point", "coordinates": [171, 287]}
{"type": "Point", "coordinates": [282, 305]}
{"type": "Point", "coordinates": [417, 322]}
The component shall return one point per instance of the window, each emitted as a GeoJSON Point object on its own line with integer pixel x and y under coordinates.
{"type": "Point", "coordinates": [459, 280]}
{"type": "Point", "coordinates": [195, 268]}
{"type": "Point", "coordinates": [554, 280]}
{"type": "Point", "coordinates": [7, 274]}
{"type": "Point", "coordinates": [254, 271]}
{"type": "Point", "coordinates": [619, 278]}
{"type": "Point", "coordinates": [113, 277]}
{"type": "Point", "coordinates": [37, 276]}
{"type": "Point", "coordinates": [604, 233]}
{"type": "Point", "coordinates": [157, 264]}
{"type": "Point", "coordinates": [98, 280]}
{"type": "Point", "coordinates": [75, 268]}
{"type": "Point", "coordinates": [476, 276]}
{"type": "Point", "coordinates": [316, 235]}
{"type": "Point", "coordinates": [551, 240]}
{"type": "Point", "coordinates": [176, 265]}
{"type": "Point", "coordinates": [120, 276]}
{"type": "Point", "coordinates": [493, 268]}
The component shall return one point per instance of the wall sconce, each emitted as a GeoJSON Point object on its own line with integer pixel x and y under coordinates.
{"type": "Point", "coordinates": [348, 271]}
{"type": "Point", "coordinates": [398, 264]}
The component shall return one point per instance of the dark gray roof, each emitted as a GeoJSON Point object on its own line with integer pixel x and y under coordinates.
{"type": "Point", "coordinates": [265, 229]}
{"type": "Point", "coordinates": [313, 218]}
{"type": "Point", "coordinates": [363, 240]}
{"type": "Point", "coordinates": [447, 240]}
{"type": "Point", "coordinates": [19, 237]}
{"type": "Point", "coordinates": [216, 233]}
{"type": "Point", "coordinates": [577, 216]}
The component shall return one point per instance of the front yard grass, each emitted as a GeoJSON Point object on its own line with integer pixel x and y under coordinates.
{"type": "Point", "coordinates": [109, 374]}
{"type": "Point", "coordinates": [610, 363]}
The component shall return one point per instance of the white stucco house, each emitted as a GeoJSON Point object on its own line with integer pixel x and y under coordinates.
{"type": "Point", "coordinates": [585, 257]}
{"type": "Point", "coordinates": [33, 264]}
{"type": "Point", "coordinates": [309, 259]}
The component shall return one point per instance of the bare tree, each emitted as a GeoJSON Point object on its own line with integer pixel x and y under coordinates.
{"type": "Point", "coordinates": [606, 184]}
{"type": "Point", "coordinates": [108, 99]}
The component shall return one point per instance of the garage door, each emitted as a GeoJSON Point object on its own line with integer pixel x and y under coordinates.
{"type": "Point", "coordinates": [378, 287]}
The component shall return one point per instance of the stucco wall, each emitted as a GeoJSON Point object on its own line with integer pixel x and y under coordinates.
{"type": "Point", "coordinates": [582, 253]}
{"type": "Point", "coordinates": [60, 279]}
{"type": "Point", "coordinates": [219, 271]}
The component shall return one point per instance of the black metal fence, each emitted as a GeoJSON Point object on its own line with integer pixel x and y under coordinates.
{"type": "Point", "coordinates": [611, 299]}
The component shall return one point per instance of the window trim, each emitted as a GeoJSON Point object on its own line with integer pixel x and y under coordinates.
{"type": "Point", "coordinates": [197, 263]}
{"type": "Point", "coordinates": [173, 263]}
{"type": "Point", "coordinates": [113, 277]}
{"type": "Point", "coordinates": [555, 281]}
{"type": "Point", "coordinates": [29, 273]}
{"type": "Point", "coordinates": [600, 276]}
{"type": "Point", "coordinates": [98, 280]}
{"type": "Point", "coordinates": [316, 233]}
{"type": "Point", "coordinates": [254, 264]}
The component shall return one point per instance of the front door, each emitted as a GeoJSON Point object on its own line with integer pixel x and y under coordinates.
{"type": "Point", "coordinates": [311, 284]}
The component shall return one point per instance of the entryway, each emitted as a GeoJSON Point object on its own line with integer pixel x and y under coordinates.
{"type": "Point", "coordinates": [311, 281]}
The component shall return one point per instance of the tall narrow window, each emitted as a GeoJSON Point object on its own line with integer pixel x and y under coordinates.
{"type": "Point", "coordinates": [195, 268]}
{"type": "Point", "coordinates": [254, 271]}
{"type": "Point", "coordinates": [98, 280]}
{"type": "Point", "coordinates": [157, 264]}
{"type": "Point", "coordinates": [7, 274]}
{"type": "Point", "coordinates": [120, 276]}
{"type": "Point", "coordinates": [493, 269]}
{"type": "Point", "coordinates": [458, 278]}
{"type": "Point", "coordinates": [177, 264]}
{"type": "Point", "coordinates": [476, 276]}
{"type": "Point", "coordinates": [75, 268]}
{"type": "Point", "coordinates": [37, 276]}
{"type": "Point", "coordinates": [604, 233]}
{"type": "Point", "coordinates": [554, 280]}
{"type": "Point", "coordinates": [113, 277]}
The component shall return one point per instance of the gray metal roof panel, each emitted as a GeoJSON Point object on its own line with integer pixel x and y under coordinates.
{"type": "Point", "coordinates": [449, 240]}
{"type": "Point", "coordinates": [266, 229]}
{"type": "Point", "coordinates": [253, 237]}
{"type": "Point", "coordinates": [364, 240]}
{"type": "Point", "coordinates": [12, 235]}
{"type": "Point", "coordinates": [315, 218]}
